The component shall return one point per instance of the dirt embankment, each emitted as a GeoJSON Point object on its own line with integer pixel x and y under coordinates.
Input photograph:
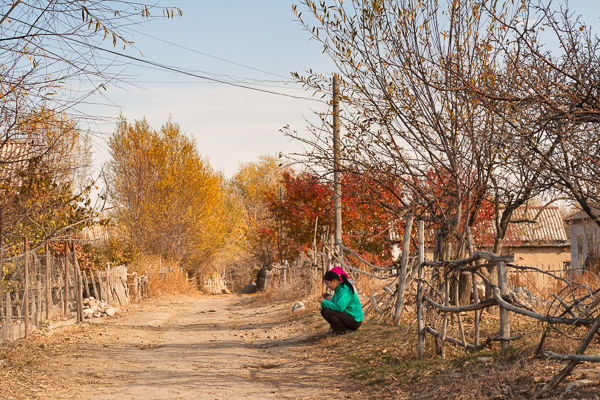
{"type": "Point", "coordinates": [195, 347]}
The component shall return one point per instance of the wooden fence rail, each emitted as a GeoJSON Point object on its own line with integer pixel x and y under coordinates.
{"type": "Point", "coordinates": [557, 296]}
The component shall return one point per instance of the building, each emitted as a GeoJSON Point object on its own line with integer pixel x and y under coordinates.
{"type": "Point", "coordinates": [543, 241]}
{"type": "Point", "coordinates": [585, 240]}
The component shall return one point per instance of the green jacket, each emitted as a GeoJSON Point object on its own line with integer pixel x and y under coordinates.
{"type": "Point", "coordinates": [345, 300]}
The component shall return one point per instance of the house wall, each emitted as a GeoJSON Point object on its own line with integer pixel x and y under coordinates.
{"type": "Point", "coordinates": [585, 236]}
{"type": "Point", "coordinates": [546, 256]}
{"type": "Point", "coordinates": [530, 256]}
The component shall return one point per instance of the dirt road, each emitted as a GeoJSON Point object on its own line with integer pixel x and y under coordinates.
{"type": "Point", "coordinates": [211, 347]}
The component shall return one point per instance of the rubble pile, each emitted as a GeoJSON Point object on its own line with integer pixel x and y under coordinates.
{"type": "Point", "coordinates": [93, 308]}
{"type": "Point", "coordinates": [523, 297]}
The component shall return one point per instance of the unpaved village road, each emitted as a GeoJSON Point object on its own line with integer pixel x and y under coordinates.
{"type": "Point", "coordinates": [194, 347]}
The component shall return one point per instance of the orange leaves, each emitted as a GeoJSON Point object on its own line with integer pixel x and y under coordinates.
{"type": "Point", "coordinates": [167, 197]}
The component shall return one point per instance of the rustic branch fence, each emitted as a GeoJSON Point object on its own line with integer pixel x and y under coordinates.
{"type": "Point", "coordinates": [563, 300]}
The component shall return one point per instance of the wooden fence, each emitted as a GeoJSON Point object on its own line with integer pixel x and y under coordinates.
{"type": "Point", "coordinates": [563, 298]}
{"type": "Point", "coordinates": [215, 283]}
{"type": "Point", "coordinates": [37, 288]}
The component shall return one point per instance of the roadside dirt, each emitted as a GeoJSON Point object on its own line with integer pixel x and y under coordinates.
{"type": "Point", "coordinates": [190, 347]}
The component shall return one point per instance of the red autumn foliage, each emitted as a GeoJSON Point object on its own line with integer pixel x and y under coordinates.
{"type": "Point", "coordinates": [307, 197]}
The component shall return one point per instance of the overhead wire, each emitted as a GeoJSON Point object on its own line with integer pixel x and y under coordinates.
{"type": "Point", "coordinates": [177, 69]}
{"type": "Point", "coordinates": [206, 54]}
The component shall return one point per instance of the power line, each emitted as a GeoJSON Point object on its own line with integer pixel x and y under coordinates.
{"type": "Point", "coordinates": [176, 69]}
{"type": "Point", "coordinates": [208, 55]}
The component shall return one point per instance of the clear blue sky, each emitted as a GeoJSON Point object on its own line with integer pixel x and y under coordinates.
{"type": "Point", "coordinates": [231, 125]}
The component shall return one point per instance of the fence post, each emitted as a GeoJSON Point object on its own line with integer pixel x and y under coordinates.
{"type": "Point", "coordinates": [8, 309]}
{"type": "Point", "coordinates": [107, 284]}
{"type": "Point", "coordinates": [403, 264]}
{"type": "Point", "coordinates": [331, 252]}
{"type": "Point", "coordinates": [79, 286]}
{"type": "Point", "coordinates": [86, 284]}
{"type": "Point", "coordinates": [66, 300]}
{"type": "Point", "coordinates": [504, 314]}
{"type": "Point", "coordinates": [48, 282]}
{"type": "Point", "coordinates": [420, 319]}
{"type": "Point", "coordinates": [77, 290]}
{"type": "Point", "coordinates": [445, 320]}
{"type": "Point", "coordinates": [94, 284]}
{"type": "Point", "coordinates": [26, 291]}
{"type": "Point", "coordinates": [471, 249]}
{"type": "Point", "coordinates": [38, 314]}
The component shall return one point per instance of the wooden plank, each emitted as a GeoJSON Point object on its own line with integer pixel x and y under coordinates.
{"type": "Point", "coordinates": [86, 284]}
{"type": "Point", "coordinates": [94, 286]}
{"type": "Point", "coordinates": [504, 314]}
{"type": "Point", "coordinates": [48, 282]}
{"type": "Point", "coordinates": [26, 289]}
{"type": "Point", "coordinates": [420, 316]}
{"type": "Point", "coordinates": [66, 291]}
{"type": "Point", "coordinates": [402, 276]}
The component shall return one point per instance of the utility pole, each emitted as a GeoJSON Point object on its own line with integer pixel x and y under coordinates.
{"type": "Point", "coordinates": [337, 184]}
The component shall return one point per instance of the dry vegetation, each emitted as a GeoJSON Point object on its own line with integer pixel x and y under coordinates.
{"type": "Point", "coordinates": [384, 357]}
{"type": "Point", "coordinates": [164, 276]}
{"type": "Point", "coordinates": [380, 356]}
{"type": "Point", "coordinates": [21, 373]}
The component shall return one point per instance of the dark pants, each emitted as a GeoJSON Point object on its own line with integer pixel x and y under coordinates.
{"type": "Point", "coordinates": [340, 321]}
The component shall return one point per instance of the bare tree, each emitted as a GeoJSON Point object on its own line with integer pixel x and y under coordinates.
{"type": "Point", "coordinates": [53, 56]}
{"type": "Point", "coordinates": [548, 90]}
{"type": "Point", "coordinates": [438, 152]}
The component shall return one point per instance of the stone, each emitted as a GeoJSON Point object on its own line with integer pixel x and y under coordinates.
{"type": "Point", "coordinates": [484, 360]}
{"type": "Point", "coordinates": [88, 311]}
{"type": "Point", "coordinates": [299, 306]}
{"type": "Point", "coordinates": [250, 288]}
{"type": "Point", "coordinates": [110, 311]}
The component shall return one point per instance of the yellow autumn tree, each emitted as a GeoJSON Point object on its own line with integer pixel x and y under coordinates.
{"type": "Point", "coordinates": [246, 251]}
{"type": "Point", "coordinates": [254, 182]}
{"type": "Point", "coordinates": [167, 197]}
{"type": "Point", "coordinates": [44, 182]}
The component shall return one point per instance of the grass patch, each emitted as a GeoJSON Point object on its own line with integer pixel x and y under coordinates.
{"type": "Point", "coordinates": [384, 358]}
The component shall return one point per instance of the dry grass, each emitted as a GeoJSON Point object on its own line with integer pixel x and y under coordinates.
{"type": "Point", "coordinates": [164, 276]}
{"type": "Point", "coordinates": [24, 353]}
{"type": "Point", "coordinates": [384, 358]}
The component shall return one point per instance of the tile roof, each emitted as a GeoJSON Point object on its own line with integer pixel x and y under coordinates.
{"type": "Point", "coordinates": [549, 230]}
